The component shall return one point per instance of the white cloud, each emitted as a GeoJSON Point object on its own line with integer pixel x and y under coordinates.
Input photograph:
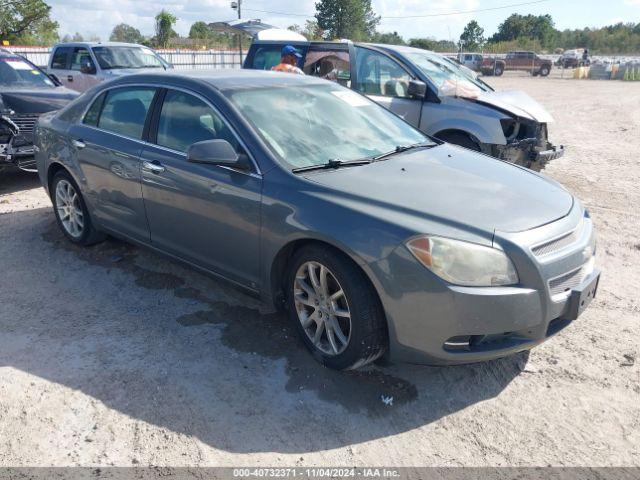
{"type": "Point", "coordinates": [99, 18]}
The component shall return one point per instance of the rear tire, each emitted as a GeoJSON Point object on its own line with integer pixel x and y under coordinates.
{"type": "Point", "coordinates": [337, 301]}
{"type": "Point", "coordinates": [71, 211]}
{"type": "Point", "coordinates": [461, 139]}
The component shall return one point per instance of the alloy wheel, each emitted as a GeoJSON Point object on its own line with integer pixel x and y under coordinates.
{"type": "Point", "coordinates": [322, 308]}
{"type": "Point", "coordinates": [69, 209]}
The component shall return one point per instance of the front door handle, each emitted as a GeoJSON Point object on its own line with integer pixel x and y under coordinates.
{"type": "Point", "coordinates": [69, 78]}
{"type": "Point", "coordinates": [79, 144]}
{"type": "Point", "coordinates": [153, 167]}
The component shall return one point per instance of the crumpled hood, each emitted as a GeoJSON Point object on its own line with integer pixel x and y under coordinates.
{"type": "Point", "coordinates": [449, 185]}
{"type": "Point", "coordinates": [516, 102]}
{"type": "Point", "coordinates": [32, 100]}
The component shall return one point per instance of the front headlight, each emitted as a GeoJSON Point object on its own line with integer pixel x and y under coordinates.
{"type": "Point", "coordinates": [463, 263]}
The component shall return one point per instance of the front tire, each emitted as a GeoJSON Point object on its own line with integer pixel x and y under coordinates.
{"type": "Point", "coordinates": [544, 71]}
{"type": "Point", "coordinates": [71, 211]}
{"type": "Point", "coordinates": [336, 311]}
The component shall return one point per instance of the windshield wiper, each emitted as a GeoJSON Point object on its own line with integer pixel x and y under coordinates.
{"type": "Point", "coordinates": [403, 148]}
{"type": "Point", "coordinates": [335, 164]}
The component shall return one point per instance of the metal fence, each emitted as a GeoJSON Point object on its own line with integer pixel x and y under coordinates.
{"type": "Point", "coordinates": [181, 59]}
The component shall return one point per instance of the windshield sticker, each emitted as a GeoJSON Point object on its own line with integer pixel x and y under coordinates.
{"type": "Point", "coordinates": [18, 65]}
{"type": "Point", "coordinates": [351, 98]}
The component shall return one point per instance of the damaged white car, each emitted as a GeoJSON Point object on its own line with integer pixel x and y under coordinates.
{"type": "Point", "coordinates": [426, 89]}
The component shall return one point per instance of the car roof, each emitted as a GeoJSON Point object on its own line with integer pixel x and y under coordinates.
{"type": "Point", "coordinates": [225, 79]}
{"type": "Point", "coordinates": [97, 44]}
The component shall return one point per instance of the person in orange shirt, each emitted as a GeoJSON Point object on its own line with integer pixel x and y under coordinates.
{"type": "Point", "coordinates": [289, 61]}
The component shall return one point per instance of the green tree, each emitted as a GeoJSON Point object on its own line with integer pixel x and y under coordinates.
{"type": "Point", "coordinates": [352, 19]}
{"type": "Point", "coordinates": [164, 28]}
{"type": "Point", "coordinates": [22, 20]}
{"type": "Point", "coordinates": [389, 38]}
{"type": "Point", "coordinates": [472, 38]}
{"type": "Point", "coordinates": [126, 33]}
{"type": "Point", "coordinates": [433, 44]}
{"type": "Point", "coordinates": [311, 30]}
{"type": "Point", "coordinates": [535, 27]}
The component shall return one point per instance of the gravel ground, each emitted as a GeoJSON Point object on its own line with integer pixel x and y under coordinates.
{"type": "Point", "coordinates": [114, 355]}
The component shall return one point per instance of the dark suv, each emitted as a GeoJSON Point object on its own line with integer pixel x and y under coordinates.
{"type": "Point", "coordinates": [26, 92]}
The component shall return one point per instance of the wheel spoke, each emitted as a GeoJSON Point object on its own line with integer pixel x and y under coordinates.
{"type": "Point", "coordinates": [308, 320]}
{"type": "Point", "coordinates": [340, 312]}
{"type": "Point", "coordinates": [318, 335]}
{"type": "Point", "coordinates": [323, 281]}
{"type": "Point", "coordinates": [308, 301]}
{"type": "Point", "coordinates": [337, 329]}
{"type": "Point", "coordinates": [314, 279]}
{"type": "Point", "coordinates": [337, 295]}
{"type": "Point", "coordinates": [332, 340]}
{"type": "Point", "coordinates": [304, 286]}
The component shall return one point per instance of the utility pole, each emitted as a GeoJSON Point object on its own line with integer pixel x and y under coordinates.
{"type": "Point", "coordinates": [237, 5]}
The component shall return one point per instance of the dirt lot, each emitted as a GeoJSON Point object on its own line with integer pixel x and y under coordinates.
{"type": "Point", "coordinates": [115, 356]}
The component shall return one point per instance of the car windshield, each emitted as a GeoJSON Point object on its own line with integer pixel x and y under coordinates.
{"type": "Point", "coordinates": [448, 77]}
{"type": "Point", "coordinates": [127, 57]}
{"type": "Point", "coordinates": [17, 72]}
{"type": "Point", "coordinates": [312, 124]}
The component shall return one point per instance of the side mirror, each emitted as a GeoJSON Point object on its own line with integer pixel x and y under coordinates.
{"type": "Point", "coordinates": [217, 152]}
{"type": "Point", "coordinates": [88, 68]}
{"type": "Point", "coordinates": [417, 89]}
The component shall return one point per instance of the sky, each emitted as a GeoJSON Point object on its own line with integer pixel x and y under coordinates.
{"type": "Point", "coordinates": [98, 17]}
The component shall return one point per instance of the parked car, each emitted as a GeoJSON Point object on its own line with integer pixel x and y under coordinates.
{"type": "Point", "coordinates": [528, 62]}
{"type": "Point", "coordinates": [81, 65]}
{"type": "Point", "coordinates": [25, 93]}
{"type": "Point", "coordinates": [428, 90]}
{"type": "Point", "coordinates": [573, 59]}
{"type": "Point", "coordinates": [375, 237]}
{"type": "Point", "coordinates": [486, 65]}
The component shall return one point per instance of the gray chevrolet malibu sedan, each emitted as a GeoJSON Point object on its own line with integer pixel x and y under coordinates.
{"type": "Point", "coordinates": [377, 239]}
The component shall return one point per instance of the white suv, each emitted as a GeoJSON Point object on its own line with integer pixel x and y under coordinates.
{"type": "Point", "coordinates": [80, 65]}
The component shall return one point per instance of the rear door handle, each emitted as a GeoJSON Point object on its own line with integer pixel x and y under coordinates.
{"type": "Point", "coordinates": [153, 167]}
{"type": "Point", "coordinates": [69, 78]}
{"type": "Point", "coordinates": [79, 144]}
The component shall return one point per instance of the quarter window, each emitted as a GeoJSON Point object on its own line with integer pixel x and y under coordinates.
{"type": "Point", "coordinates": [266, 57]}
{"type": "Point", "coordinates": [380, 75]}
{"type": "Point", "coordinates": [93, 114]}
{"type": "Point", "coordinates": [125, 111]}
{"type": "Point", "coordinates": [185, 120]}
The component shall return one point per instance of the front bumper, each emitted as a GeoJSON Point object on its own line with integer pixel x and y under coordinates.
{"type": "Point", "coordinates": [432, 322]}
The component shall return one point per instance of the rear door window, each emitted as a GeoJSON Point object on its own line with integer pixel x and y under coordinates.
{"type": "Point", "coordinates": [125, 111]}
{"type": "Point", "coordinates": [60, 58]}
{"type": "Point", "coordinates": [331, 65]}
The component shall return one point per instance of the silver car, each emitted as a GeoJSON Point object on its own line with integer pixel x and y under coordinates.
{"type": "Point", "coordinates": [430, 91]}
{"type": "Point", "coordinates": [376, 238]}
{"type": "Point", "coordinates": [81, 65]}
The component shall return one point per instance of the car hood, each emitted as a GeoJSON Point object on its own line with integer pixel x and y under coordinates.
{"type": "Point", "coordinates": [31, 100]}
{"type": "Point", "coordinates": [452, 186]}
{"type": "Point", "coordinates": [517, 103]}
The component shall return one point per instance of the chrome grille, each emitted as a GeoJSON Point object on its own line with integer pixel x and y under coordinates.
{"type": "Point", "coordinates": [558, 243]}
{"type": "Point", "coordinates": [25, 122]}
{"type": "Point", "coordinates": [565, 283]}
